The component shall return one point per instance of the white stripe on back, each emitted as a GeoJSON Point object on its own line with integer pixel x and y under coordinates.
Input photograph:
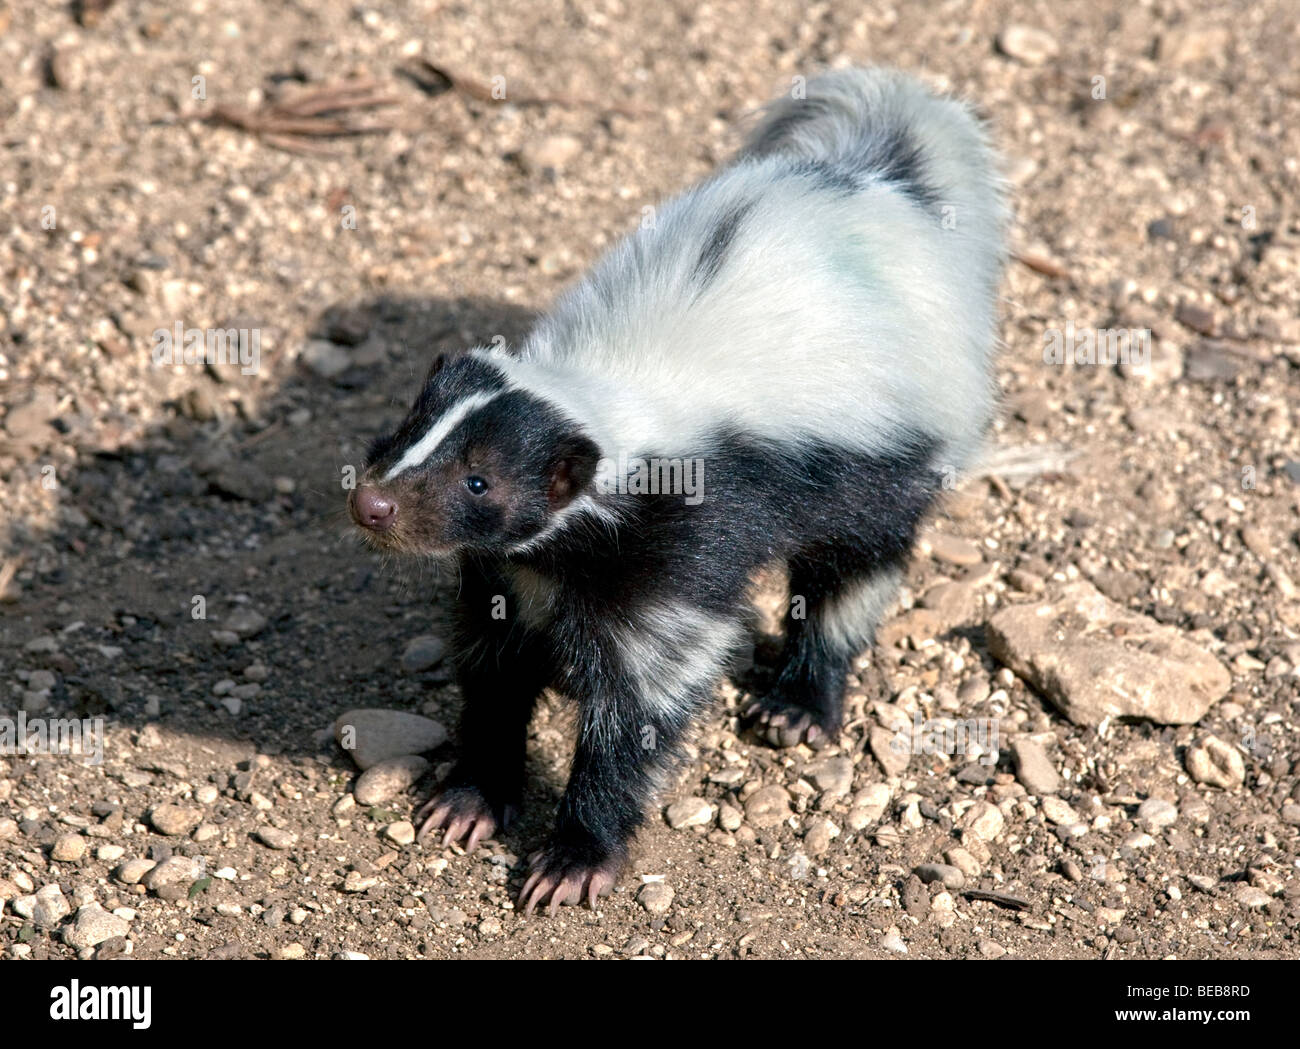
{"type": "Point", "coordinates": [426, 445]}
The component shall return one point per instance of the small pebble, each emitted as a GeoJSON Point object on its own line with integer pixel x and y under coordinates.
{"type": "Point", "coordinates": [275, 838]}
{"type": "Point", "coordinates": [373, 735]}
{"type": "Point", "coordinates": [948, 877]}
{"type": "Point", "coordinates": [1157, 813]}
{"type": "Point", "coordinates": [50, 907]}
{"type": "Point", "coordinates": [963, 861]}
{"type": "Point", "coordinates": [819, 834]}
{"type": "Point", "coordinates": [174, 819]}
{"type": "Point", "coordinates": [1215, 763]}
{"type": "Point", "coordinates": [983, 820]}
{"type": "Point", "coordinates": [893, 941]}
{"type": "Point", "coordinates": [552, 153]}
{"type": "Point", "coordinates": [768, 806]}
{"type": "Point", "coordinates": [1027, 44]}
{"type": "Point", "coordinates": [1251, 897]}
{"type": "Point", "coordinates": [423, 653]}
{"type": "Point", "coordinates": [382, 782]}
{"type": "Point", "coordinates": [68, 848]}
{"type": "Point", "coordinates": [832, 776]}
{"type": "Point", "coordinates": [1034, 769]}
{"type": "Point", "coordinates": [689, 812]}
{"type": "Point", "coordinates": [245, 622]}
{"type": "Point", "coordinates": [132, 871]}
{"type": "Point", "coordinates": [656, 897]}
{"type": "Point", "coordinates": [1059, 812]}
{"type": "Point", "coordinates": [171, 879]}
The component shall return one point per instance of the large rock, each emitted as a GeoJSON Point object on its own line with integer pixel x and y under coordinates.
{"type": "Point", "coordinates": [375, 735]}
{"type": "Point", "coordinates": [1095, 659]}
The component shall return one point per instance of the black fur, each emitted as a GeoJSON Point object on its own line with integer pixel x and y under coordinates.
{"type": "Point", "coordinates": [835, 517]}
{"type": "Point", "coordinates": [459, 379]}
{"type": "Point", "coordinates": [778, 132]}
{"type": "Point", "coordinates": [897, 158]}
{"type": "Point", "coordinates": [891, 153]}
{"type": "Point", "coordinates": [631, 613]}
{"type": "Point", "coordinates": [716, 245]}
{"type": "Point", "coordinates": [522, 447]}
{"type": "Point", "coordinates": [501, 669]}
{"type": "Point", "coordinates": [830, 177]}
{"type": "Point", "coordinates": [630, 604]}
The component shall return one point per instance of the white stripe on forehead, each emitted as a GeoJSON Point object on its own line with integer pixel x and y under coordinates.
{"type": "Point", "coordinates": [437, 433]}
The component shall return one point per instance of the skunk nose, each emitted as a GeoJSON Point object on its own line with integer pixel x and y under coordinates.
{"type": "Point", "coordinates": [372, 510]}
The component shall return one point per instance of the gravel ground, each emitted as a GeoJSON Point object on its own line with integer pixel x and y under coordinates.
{"type": "Point", "coordinates": [1116, 597]}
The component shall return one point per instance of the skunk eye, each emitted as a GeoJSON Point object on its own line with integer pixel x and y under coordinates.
{"type": "Point", "coordinates": [476, 485]}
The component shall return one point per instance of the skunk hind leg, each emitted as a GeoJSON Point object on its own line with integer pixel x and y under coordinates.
{"type": "Point", "coordinates": [831, 618]}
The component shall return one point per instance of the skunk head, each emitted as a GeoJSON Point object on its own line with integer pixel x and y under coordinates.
{"type": "Point", "coordinates": [475, 466]}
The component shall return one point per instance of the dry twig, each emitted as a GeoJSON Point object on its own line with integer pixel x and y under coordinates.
{"type": "Point", "coordinates": [325, 112]}
{"type": "Point", "coordinates": [1040, 264]}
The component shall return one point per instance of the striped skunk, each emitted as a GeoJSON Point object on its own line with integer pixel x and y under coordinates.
{"type": "Point", "coordinates": [784, 365]}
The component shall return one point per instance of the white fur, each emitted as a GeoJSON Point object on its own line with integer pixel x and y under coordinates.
{"type": "Point", "coordinates": [585, 508]}
{"type": "Point", "coordinates": [849, 620]}
{"type": "Point", "coordinates": [673, 650]}
{"type": "Point", "coordinates": [851, 319]}
{"type": "Point", "coordinates": [437, 433]}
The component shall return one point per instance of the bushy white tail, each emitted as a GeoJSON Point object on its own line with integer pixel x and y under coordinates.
{"type": "Point", "coordinates": [885, 125]}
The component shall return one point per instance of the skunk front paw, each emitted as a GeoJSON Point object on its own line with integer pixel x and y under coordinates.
{"type": "Point", "coordinates": [564, 874]}
{"type": "Point", "coordinates": [463, 812]}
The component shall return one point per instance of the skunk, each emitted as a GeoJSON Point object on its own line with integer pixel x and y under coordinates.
{"type": "Point", "coordinates": [785, 363]}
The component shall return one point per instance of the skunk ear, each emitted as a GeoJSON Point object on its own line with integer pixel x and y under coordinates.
{"type": "Point", "coordinates": [436, 366]}
{"type": "Point", "coordinates": [572, 469]}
